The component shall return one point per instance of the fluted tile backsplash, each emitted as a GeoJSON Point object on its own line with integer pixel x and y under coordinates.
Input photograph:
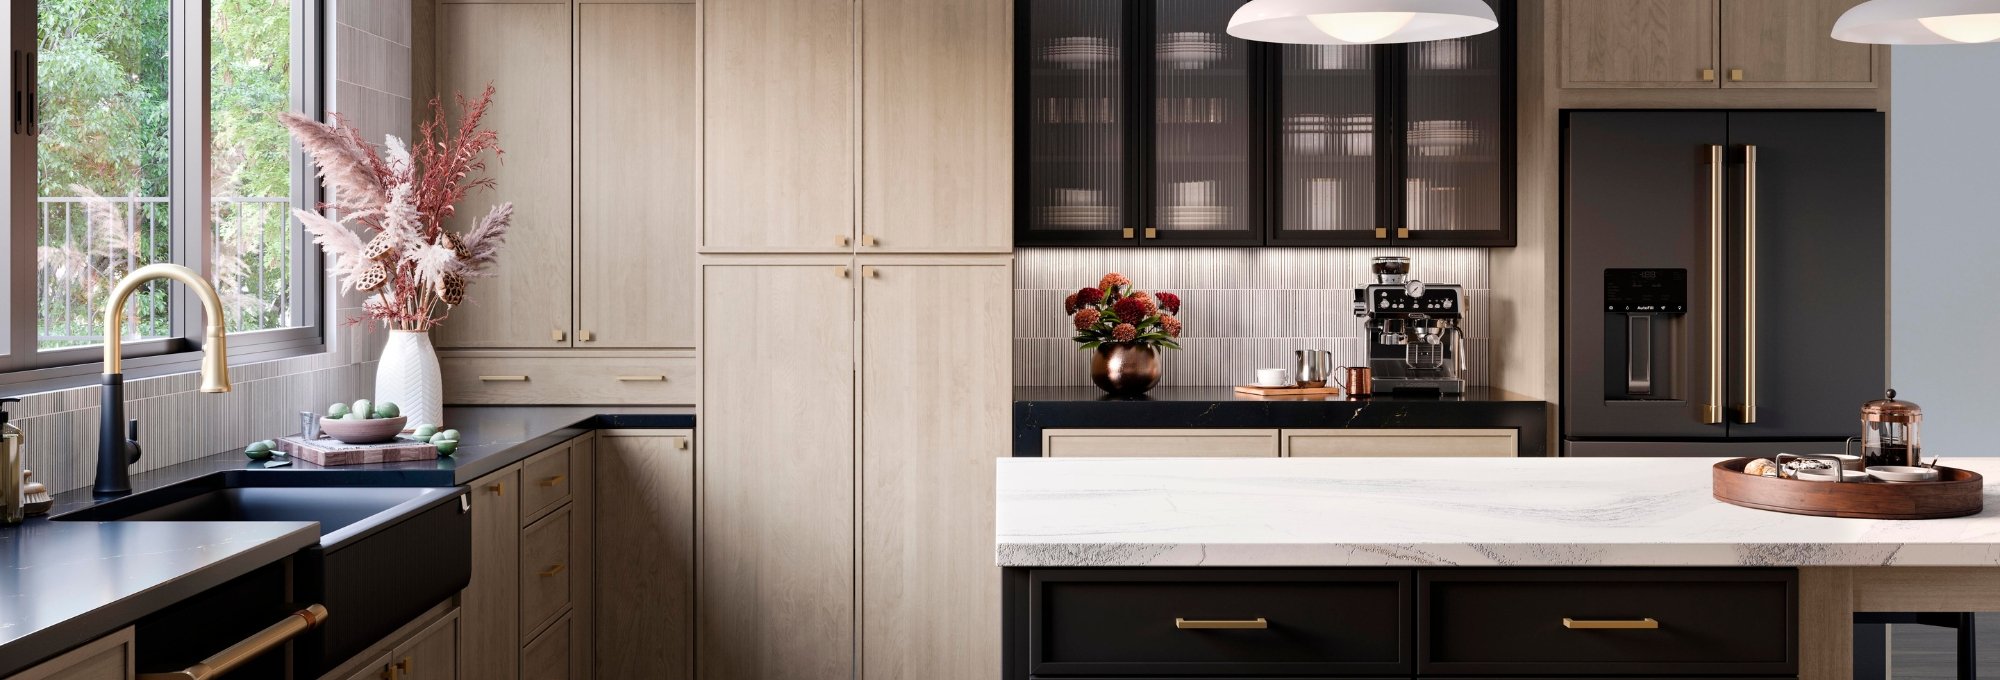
{"type": "Point", "coordinates": [1244, 308]}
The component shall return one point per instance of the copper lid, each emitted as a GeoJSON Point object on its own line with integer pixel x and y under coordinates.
{"type": "Point", "coordinates": [1889, 409]}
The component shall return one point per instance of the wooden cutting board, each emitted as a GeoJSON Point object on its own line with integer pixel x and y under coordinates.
{"type": "Point", "coordinates": [1288, 391]}
{"type": "Point", "coordinates": [330, 453]}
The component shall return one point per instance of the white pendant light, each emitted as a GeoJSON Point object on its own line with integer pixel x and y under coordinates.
{"type": "Point", "coordinates": [1360, 22]}
{"type": "Point", "coordinates": [1920, 22]}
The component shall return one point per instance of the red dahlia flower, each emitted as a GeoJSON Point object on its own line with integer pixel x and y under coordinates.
{"type": "Point", "coordinates": [1124, 332]}
{"type": "Point", "coordinates": [1089, 296]}
{"type": "Point", "coordinates": [1169, 302]}
{"type": "Point", "coordinates": [1172, 325]}
{"type": "Point", "coordinates": [1086, 317]}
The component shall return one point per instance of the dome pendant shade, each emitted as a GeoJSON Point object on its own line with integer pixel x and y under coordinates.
{"type": "Point", "coordinates": [1360, 22]}
{"type": "Point", "coordinates": [1920, 22]}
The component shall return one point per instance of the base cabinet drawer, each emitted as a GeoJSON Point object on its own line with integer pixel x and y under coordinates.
{"type": "Point", "coordinates": [1219, 622]}
{"type": "Point", "coordinates": [545, 572]}
{"type": "Point", "coordinates": [569, 380]}
{"type": "Point", "coordinates": [1602, 622]}
{"type": "Point", "coordinates": [1119, 443]}
{"type": "Point", "coordinates": [1400, 443]}
{"type": "Point", "coordinates": [547, 657]}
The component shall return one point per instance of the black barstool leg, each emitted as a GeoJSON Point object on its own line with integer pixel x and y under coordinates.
{"type": "Point", "coordinates": [1968, 657]}
{"type": "Point", "coordinates": [1871, 651]}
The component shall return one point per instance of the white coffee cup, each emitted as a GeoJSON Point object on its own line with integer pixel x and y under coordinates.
{"type": "Point", "coordinates": [1274, 377]}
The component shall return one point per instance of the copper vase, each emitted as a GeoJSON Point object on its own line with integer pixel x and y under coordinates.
{"type": "Point", "coordinates": [1125, 368]}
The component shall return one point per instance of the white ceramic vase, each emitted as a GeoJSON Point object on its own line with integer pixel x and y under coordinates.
{"type": "Point", "coordinates": [408, 375]}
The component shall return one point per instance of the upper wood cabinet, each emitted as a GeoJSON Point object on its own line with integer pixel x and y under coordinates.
{"type": "Point", "coordinates": [936, 133]}
{"type": "Point", "coordinates": [636, 176]}
{"type": "Point", "coordinates": [1707, 44]}
{"type": "Point", "coordinates": [779, 131]}
{"type": "Point", "coordinates": [528, 300]}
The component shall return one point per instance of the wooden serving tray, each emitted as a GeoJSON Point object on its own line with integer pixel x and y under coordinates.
{"type": "Point", "coordinates": [330, 453]}
{"type": "Point", "coordinates": [1957, 493]}
{"type": "Point", "coordinates": [1329, 390]}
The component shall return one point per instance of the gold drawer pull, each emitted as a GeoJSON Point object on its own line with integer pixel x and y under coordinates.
{"type": "Point", "coordinates": [681, 443]}
{"type": "Point", "coordinates": [1191, 624]}
{"type": "Point", "coordinates": [552, 481]}
{"type": "Point", "coordinates": [642, 378]}
{"type": "Point", "coordinates": [503, 378]}
{"type": "Point", "coordinates": [551, 571]}
{"type": "Point", "coordinates": [1610, 624]}
{"type": "Point", "coordinates": [499, 489]}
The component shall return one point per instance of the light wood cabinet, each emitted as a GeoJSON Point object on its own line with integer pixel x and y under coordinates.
{"type": "Point", "coordinates": [1709, 44]}
{"type": "Point", "coordinates": [531, 564]}
{"type": "Point", "coordinates": [490, 601]}
{"type": "Point", "coordinates": [1164, 443]}
{"type": "Point", "coordinates": [776, 541]}
{"type": "Point", "coordinates": [778, 125]}
{"type": "Point", "coordinates": [106, 658]}
{"type": "Point", "coordinates": [645, 554]}
{"type": "Point", "coordinates": [564, 378]}
{"type": "Point", "coordinates": [635, 240]}
{"type": "Point", "coordinates": [1788, 43]}
{"type": "Point", "coordinates": [935, 413]}
{"type": "Point", "coordinates": [1412, 443]}
{"type": "Point", "coordinates": [527, 301]}
{"type": "Point", "coordinates": [936, 127]}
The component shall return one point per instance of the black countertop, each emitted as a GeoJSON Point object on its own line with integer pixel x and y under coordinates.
{"type": "Point", "coordinates": [66, 583]}
{"type": "Point", "coordinates": [1044, 408]}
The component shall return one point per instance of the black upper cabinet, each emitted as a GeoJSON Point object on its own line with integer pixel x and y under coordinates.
{"type": "Point", "coordinates": [1142, 122]}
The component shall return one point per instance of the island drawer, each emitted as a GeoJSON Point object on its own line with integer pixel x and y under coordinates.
{"type": "Point", "coordinates": [1607, 622]}
{"type": "Point", "coordinates": [545, 570]}
{"type": "Point", "coordinates": [1219, 622]}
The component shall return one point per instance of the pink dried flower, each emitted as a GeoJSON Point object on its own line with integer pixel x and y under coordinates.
{"type": "Point", "coordinates": [1169, 302]}
{"type": "Point", "coordinates": [1069, 304]}
{"type": "Point", "coordinates": [1089, 296]}
{"type": "Point", "coordinates": [1171, 324]}
{"type": "Point", "coordinates": [1124, 332]}
{"type": "Point", "coordinates": [1087, 317]}
{"type": "Point", "coordinates": [1113, 281]}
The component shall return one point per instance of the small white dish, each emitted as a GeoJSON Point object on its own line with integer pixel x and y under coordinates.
{"type": "Point", "coordinates": [1902, 473]}
{"type": "Point", "coordinates": [1827, 475]}
{"type": "Point", "coordinates": [1274, 377]}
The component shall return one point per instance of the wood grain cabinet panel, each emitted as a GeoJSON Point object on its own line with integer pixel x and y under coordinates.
{"type": "Point", "coordinates": [1639, 43]}
{"type": "Point", "coordinates": [1404, 443]}
{"type": "Point", "coordinates": [930, 593]}
{"type": "Point", "coordinates": [547, 656]}
{"type": "Point", "coordinates": [431, 654]}
{"type": "Point", "coordinates": [776, 545]}
{"type": "Point", "coordinates": [778, 125]}
{"type": "Point", "coordinates": [936, 126]}
{"type": "Point", "coordinates": [546, 571]}
{"type": "Point", "coordinates": [1788, 43]}
{"type": "Point", "coordinates": [645, 554]}
{"type": "Point", "coordinates": [570, 380]}
{"type": "Point", "coordinates": [523, 51]}
{"type": "Point", "coordinates": [491, 638]}
{"type": "Point", "coordinates": [106, 658]}
{"type": "Point", "coordinates": [1169, 443]}
{"type": "Point", "coordinates": [635, 237]}
{"type": "Point", "coordinates": [545, 482]}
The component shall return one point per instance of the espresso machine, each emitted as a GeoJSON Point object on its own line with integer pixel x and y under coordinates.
{"type": "Point", "coordinates": [1415, 342]}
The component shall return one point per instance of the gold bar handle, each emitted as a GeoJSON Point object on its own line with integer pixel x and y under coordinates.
{"type": "Point", "coordinates": [552, 481]}
{"type": "Point", "coordinates": [642, 378]}
{"type": "Point", "coordinates": [1250, 624]}
{"type": "Point", "coordinates": [503, 378]}
{"type": "Point", "coordinates": [1711, 412]}
{"type": "Point", "coordinates": [1610, 624]}
{"type": "Point", "coordinates": [552, 571]}
{"type": "Point", "coordinates": [271, 637]}
{"type": "Point", "coordinates": [1749, 412]}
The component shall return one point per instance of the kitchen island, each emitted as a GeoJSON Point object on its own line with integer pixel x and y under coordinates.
{"type": "Point", "coordinates": [1458, 546]}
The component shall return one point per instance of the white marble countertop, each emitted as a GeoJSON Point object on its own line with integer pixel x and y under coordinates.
{"type": "Point", "coordinates": [1055, 512]}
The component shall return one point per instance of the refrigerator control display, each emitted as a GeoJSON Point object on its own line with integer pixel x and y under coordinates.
{"type": "Point", "coordinates": [1654, 291]}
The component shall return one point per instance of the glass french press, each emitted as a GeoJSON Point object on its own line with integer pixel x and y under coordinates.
{"type": "Point", "coordinates": [1890, 432]}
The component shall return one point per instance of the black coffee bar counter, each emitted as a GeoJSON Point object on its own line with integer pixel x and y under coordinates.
{"type": "Point", "coordinates": [1050, 408]}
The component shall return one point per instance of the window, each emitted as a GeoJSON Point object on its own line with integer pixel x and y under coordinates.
{"type": "Point", "coordinates": [156, 140]}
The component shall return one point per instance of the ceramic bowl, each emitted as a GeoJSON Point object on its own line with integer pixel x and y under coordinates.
{"type": "Point", "coordinates": [1903, 473]}
{"type": "Point", "coordinates": [374, 431]}
{"type": "Point", "coordinates": [1827, 475]}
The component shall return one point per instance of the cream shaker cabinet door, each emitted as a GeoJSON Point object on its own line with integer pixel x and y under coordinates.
{"type": "Point", "coordinates": [523, 50]}
{"type": "Point", "coordinates": [937, 129]}
{"type": "Point", "coordinates": [636, 175]}
{"type": "Point", "coordinates": [934, 416]}
{"type": "Point", "coordinates": [645, 554]}
{"type": "Point", "coordinates": [1638, 43]}
{"type": "Point", "coordinates": [490, 603]}
{"type": "Point", "coordinates": [778, 98]}
{"type": "Point", "coordinates": [1788, 43]}
{"type": "Point", "coordinates": [775, 598]}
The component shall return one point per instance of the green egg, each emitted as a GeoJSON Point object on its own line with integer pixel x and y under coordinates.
{"type": "Point", "coordinates": [337, 411]}
{"type": "Point", "coordinates": [257, 451]}
{"type": "Point", "coordinates": [447, 447]}
{"type": "Point", "coordinates": [448, 434]}
{"type": "Point", "coordinates": [353, 416]}
{"type": "Point", "coordinates": [426, 429]}
{"type": "Point", "coordinates": [364, 407]}
{"type": "Point", "coordinates": [269, 443]}
{"type": "Point", "coordinates": [387, 409]}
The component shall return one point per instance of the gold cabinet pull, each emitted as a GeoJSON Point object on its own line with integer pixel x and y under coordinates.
{"type": "Point", "coordinates": [1708, 75]}
{"type": "Point", "coordinates": [503, 378]}
{"type": "Point", "coordinates": [642, 378]}
{"type": "Point", "coordinates": [558, 335]}
{"type": "Point", "coordinates": [870, 273]}
{"type": "Point", "coordinates": [233, 656]}
{"type": "Point", "coordinates": [552, 481]}
{"type": "Point", "coordinates": [1402, 232]}
{"type": "Point", "coordinates": [407, 665]}
{"type": "Point", "coordinates": [551, 571]}
{"type": "Point", "coordinates": [1610, 624]}
{"type": "Point", "coordinates": [586, 336]}
{"type": "Point", "coordinates": [1749, 412]}
{"type": "Point", "coordinates": [1237, 624]}
{"type": "Point", "coordinates": [1152, 232]}
{"type": "Point", "coordinates": [1381, 232]}
{"type": "Point", "coordinates": [842, 270]}
{"type": "Point", "coordinates": [843, 239]}
{"type": "Point", "coordinates": [499, 489]}
{"type": "Point", "coordinates": [1735, 75]}
{"type": "Point", "coordinates": [681, 443]}
{"type": "Point", "coordinates": [869, 241]}
{"type": "Point", "coordinates": [1712, 411]}
{"type": "Point", "coordinates": [1128, 232]}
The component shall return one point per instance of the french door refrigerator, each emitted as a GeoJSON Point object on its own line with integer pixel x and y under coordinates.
{"type": "Point", "coordinates": [1725, 285]}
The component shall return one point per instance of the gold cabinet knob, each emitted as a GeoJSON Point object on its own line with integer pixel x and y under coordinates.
{"type": "Point", "coordinates": [869, 240]}
{"type": "Point", "coordinates": [558, 335]}
{"type": "Point", "coordinates": [871, 273]}
{"type": "Point", "coordinates": [1128, 232]}
{"type": "Point", "coordinates": [1381, 232]}
{"type": "Point", "coordinates": [1708, 75]}
{"type": "Point", "coordinates": [1735, 75]}
{"type": "Point", "coordinates": [843, 240]}
{"type": "Point", "coordinates": [586, 336]}
{"type": "Point", "coordinates": [843, 271]}
{"type": "Point", "coordinates": [681, 443]}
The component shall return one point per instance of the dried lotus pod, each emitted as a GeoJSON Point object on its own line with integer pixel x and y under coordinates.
{"type": "Point", "coordinates": [373, 278]}
{"type": "Point", "coordinates": [457, 245]}
{"type": "Point", "coordinates": [378, 246]}
{"type": "Point", "coordinates": [454, 289]}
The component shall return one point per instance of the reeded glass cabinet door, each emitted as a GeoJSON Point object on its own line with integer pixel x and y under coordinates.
{"type": "Point", "coordinates": [1205, 182]}
{"type": "Point", "coordinates": [1327, 133]}
{"type": "Point", "coordinates": [1075, 123]}
{"type": "Point", "coordinates": [1457, 138]}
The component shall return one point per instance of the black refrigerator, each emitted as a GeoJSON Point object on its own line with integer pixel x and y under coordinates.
{"type": "Point", "coordinates": [1725, 289]}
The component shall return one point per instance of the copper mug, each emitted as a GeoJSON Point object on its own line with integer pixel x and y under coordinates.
{"type": "Point", "coordinates": [1360, 381]}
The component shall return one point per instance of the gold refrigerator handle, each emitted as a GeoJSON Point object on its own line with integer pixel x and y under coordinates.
{"type": "Point", "coordinates": [1258, 623]}
{"type": "Point", "coordinates": [1711, 412]}
{"type": "Point", "coordinates": [1749, 414]}
{"type": "Point", "coordinates": [1611, 624]}
{"type": "Point", "coordinates": [271, 637]}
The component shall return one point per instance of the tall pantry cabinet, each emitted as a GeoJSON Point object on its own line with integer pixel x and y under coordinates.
{"type": "Point", "coordinates": [856, 302]}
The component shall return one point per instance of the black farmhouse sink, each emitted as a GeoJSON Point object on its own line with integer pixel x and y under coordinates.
{"type": "Point", "coordinates": [385, 554]}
